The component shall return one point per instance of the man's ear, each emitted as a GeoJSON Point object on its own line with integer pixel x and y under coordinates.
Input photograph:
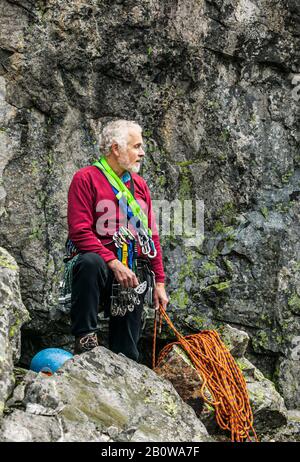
{"type": "Point", "coordinates": [115, 149]}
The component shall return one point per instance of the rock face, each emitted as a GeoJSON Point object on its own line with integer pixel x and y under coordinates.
{"type": "Point", "coordinates": [215, 84]}
{"type": "Point", "coordinates": [289, 385]}
{"type": "Point", "coordinates": [269, 410]}
{"type": "Point", "coordinates": [100, 396]}
{"type": "Point", "coordinates": [13, 314]}
{"type": "Point", "coordinates": [290, 432]}
{"type": "Point", "coordinates": [267, 405]}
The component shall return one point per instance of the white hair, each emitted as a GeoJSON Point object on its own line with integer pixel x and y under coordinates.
{"type": "Point", "coordinates": [116, 132]}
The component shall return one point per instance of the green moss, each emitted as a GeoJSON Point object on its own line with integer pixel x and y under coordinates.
{"type": "Point", "coordinates": [185, 163]}
{"type": "Point", "coordinates": [200, 322]}
{"type": "Point", "coordinates": [257, 396]}
{"type": "Point", "coordinates": [149, 51]}
{"type": "Point", "coordinates": [187, 268]}
{"type": "Point", "coordinates": [226, 218]}
{"type": "Point", "coordinates": [228, 265]}
{"type": "Point", "coordinates": [209, 267]}
{"type": "Point", "coordinates": [209, 407]}
{"type": "Point", "coordinates": [242, 365]}
{"type": "Point", "coordinates": [260, 340]}
{"type": "Point", "coordinates": [34, 167]}
{"type": "Point", "coordinates": [228, 209]}
{"type": "Point", "coordinates": [215, 253]}
{"type": "Point", "coordinates": [294, 302]}
{"type": "Point", "coordinates": [225, 135]}
{"type": "Point", "coordinates": [185, 184]}
{"type": "Point", "coordinates": [213, 104]}
{"type": "Point", "coordinates": [284, 207]}
{"type": "Point", "coordinates": [222, 156]}
{"type": "Point", "coordinates": [265, 212]}
{"type": "Point", "coordinates": [50, 162]}
{"type": "Point", "coordinates": [285, 178]}
{"type": "Point", "coordinates": [41, 198]}
{"type": "Point", "coordinates": [169, 405]}
{"type": "Point", "coordinates": [296, 266]}
{"type": "Point", "coordinates": [4, 263]}
{"type": "Point", "coordinates": [219, 287]}
{"type": "Point", "coordinates": [266, 320]}
{"type": "Point", "coordinates": [147, 133]}
{"type": "Point", "coordinates": [253, 119]}
{"type": "Point", "coordinates": [220, 228]}
{"type": "Point", "coordinates": [161, 180]}
{"type": "Point", "coordinates": [179, 298]}
{"type": "Point", "coordinates": [14, 329]}
{"type": "Point", "coordinates": [36, 233]}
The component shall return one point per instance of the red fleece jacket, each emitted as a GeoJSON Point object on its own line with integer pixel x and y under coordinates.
{"type": "Point", "coordinates": [94, 215]}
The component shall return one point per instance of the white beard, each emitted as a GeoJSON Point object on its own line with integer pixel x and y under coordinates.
{"type": "Point", "coordinates": [135, 168]}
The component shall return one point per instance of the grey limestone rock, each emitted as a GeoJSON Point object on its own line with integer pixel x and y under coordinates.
{"type": "Point", "coordinates": [13, 315]}
{"type": "Point", "coordinates": [100, 396]}
{"type": "Point", "coordinates": [287, 433]}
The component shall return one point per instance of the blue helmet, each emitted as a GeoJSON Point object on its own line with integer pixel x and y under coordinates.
{"type": "Point", "coordinates": [49, 360]}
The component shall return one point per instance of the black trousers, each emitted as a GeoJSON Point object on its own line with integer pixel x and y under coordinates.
{"type": "Point", "coordinates": [91, 287]}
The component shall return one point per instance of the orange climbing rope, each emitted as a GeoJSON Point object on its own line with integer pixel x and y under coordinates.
{"type": "Point", "coordinates": [221, 376]}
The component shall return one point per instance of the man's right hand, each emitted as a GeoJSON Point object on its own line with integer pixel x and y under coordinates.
{"type": "Point", "coordinates": [123, 275]}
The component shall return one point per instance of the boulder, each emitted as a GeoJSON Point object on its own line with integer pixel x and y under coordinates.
{"type": "Point", "coordinates": [289, 432]}
{"type": "Point", "coordinates": [235, 340]}
{"type": "Point", "coordinates": [288, 383]}
{"type": "Point", "coordinates": [100, 396]}
{"type": "Point", "coordinates": [268, 406]}
{"type": "Point", "coordinates": [13, 314]}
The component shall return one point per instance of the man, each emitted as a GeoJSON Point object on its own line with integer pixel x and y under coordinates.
{"type": "Point", "coordinates": [94, 215]}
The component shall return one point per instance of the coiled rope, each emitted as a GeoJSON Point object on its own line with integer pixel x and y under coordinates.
{"type": "Point", "coordinates": [220, 374]}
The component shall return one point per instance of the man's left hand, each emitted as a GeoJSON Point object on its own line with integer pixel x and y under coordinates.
{"type": "Point", "coordinates": [159, 296]}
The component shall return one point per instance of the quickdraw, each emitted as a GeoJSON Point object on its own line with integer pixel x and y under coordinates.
{"type": "Point", "coordinates": [122, 236]}
{"type": "Point", "coordinates": [146, 243]}
{"type": "Point", "coordinates": [132, 210]}
{"type": "Point", "coordinates": [123, 300]}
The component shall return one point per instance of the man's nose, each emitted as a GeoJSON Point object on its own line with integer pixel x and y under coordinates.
{"type": "Point", "coordinates": [141, 152]}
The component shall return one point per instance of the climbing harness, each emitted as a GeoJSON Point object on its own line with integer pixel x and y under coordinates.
{"type": "Point", "coordinates": [122, 300]}
{"type": "Point", "coordinates": [70, 258]}
{"type": "Point", "coordinates": [221, 376]}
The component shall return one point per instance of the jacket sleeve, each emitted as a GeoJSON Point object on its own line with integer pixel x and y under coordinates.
{"type": "Point", "coordinates": [156, 262]}
{"type": "Point", "coordinates": [81, 218]}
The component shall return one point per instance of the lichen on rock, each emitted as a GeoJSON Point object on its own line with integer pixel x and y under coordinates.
{"type": "Point", "coordinates": [13, 315]}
